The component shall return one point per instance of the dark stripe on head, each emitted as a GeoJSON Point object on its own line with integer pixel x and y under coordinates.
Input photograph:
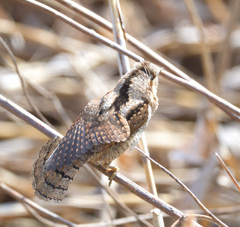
{"type": "Point", "coordinates": [123, 96]}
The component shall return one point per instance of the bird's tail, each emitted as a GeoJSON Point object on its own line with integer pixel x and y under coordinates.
{"type": "Point", "coordinates": [48, 184]}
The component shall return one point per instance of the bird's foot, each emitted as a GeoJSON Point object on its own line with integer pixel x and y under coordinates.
{"type": "Point", "coordinates": [114, 171]}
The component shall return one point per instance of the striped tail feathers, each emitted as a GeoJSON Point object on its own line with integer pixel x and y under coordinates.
{"type": "Point", "coordinates": [52, 184]}
{"type": "Point", "coordinates": [61, 158]}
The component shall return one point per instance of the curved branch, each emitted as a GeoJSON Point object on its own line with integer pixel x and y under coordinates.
{"type": "Point", "coordinates": [27, 117]}
{"type": "Point", "coordinates": [183, 79]}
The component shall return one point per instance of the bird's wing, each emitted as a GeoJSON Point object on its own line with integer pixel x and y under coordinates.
{"type": "Point", "coordinates": [87, 132]}
{"type": "Point", "coordinates": [57, 164]}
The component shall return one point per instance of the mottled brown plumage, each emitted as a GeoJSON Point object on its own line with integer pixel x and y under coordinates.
{"type": "Point", "coordinates": [108, 126]}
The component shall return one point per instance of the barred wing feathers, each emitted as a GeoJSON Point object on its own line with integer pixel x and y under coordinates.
{"type": "Point", "coordinates": [57, 164]}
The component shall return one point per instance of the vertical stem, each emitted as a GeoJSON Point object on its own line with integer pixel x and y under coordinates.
{"type": "Point", "coordinates": [157, 213]}
{"type": "Point", "coordinates": [119, 35]}
{"type": "Point", "coordinates": [124, 67]}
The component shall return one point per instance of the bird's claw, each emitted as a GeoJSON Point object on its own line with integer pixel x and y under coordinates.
{"type": "Point", "coordinates": [114, 171]}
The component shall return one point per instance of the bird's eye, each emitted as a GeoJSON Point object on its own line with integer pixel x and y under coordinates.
{"type": "Point", "coordinates": [152, 77]}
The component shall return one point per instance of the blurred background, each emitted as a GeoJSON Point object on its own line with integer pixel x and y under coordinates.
{"type": "Point", "coordinates": [63, 69]}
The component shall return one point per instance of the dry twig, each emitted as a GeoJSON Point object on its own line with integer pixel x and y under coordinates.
{"type": "Point", "coordinates": [124, 66]}
{"type": "Point", "coordinates": [228, 171]}
{"type": "Point", "coordinates": [134, 188]}
{"type": "Point", "coordinates": [186, 189]}
{"type": "Point", "coordinates": [227, 107]}
{"type": "Point", "coordinates": [23, 83]}
{"type": "Point", "coordinates": [46, 214]}
{"type": "Point", "coordinates": [182, 80]}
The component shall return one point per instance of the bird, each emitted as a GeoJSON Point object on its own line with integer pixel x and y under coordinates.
{"type": "Point", "coordinates": [107, 127]}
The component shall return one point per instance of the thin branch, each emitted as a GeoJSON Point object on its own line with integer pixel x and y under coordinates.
{"type": "Point", "coordinates": [40, 210]}
{"type": "Point", "coordinates": [137, 190]}
{"type": "Point", "coordinates": [33, 34]}
{"type": "Point", "coordinates": [124, 67]}
{"type": "Point", "coordinates": [192, 216]}
{"type": "Point", "coordinates": [142, 193]}
{"type": "Point", "coordinates": [186, 189]}
{"type": "Point", "coordinates": [24, 115]}
{"type": "Point", "coordinates": [148, 167]}
{"type": "Point", "coordinates": [228, 171]}
{"type": "Point", "coordinates": [227, 107]}
{"type": "Point", "coordinates": [151, 55]}
{"type": "Point", "coordinates": [119, 37]}
{"type": "Point", "coordinates": [157, 216]}
{"type": "Point", "coordinates": [27, 117]}
{"type": "Point", "coordinates": [85, 30]}
{"type": "Point", "coordinates": [23, 83]}
{"type": "Point", "coordinates": [114, 197]}
{"type": "Point", "coordinates": [145, 195]}
{"type": "Point", "coordinates": [55, 101]}
{"type": "Point", "coordinates": [170, 209]}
